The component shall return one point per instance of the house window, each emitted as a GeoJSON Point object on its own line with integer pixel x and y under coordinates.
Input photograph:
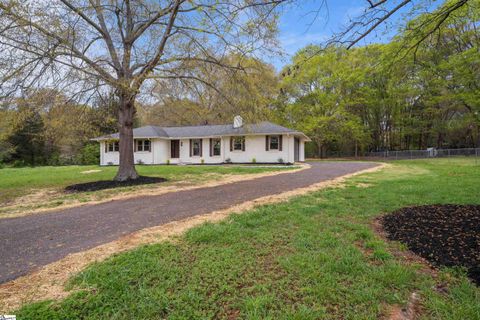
{"type": "Point", "coordinates": [274, 142]}
{"type": "Point", "coordinates": [195, 147]}
{"type": "Point", "coordinates": [215, 147]}
{"type": "Point", "coordinates": [112, 146]}
{"type": "Point", "coordinates": [238, 144]}
{"type": "Point", "coordinates": [142, 145]}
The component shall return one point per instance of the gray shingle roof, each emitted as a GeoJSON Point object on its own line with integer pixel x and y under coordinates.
{"type": "Point", "coordinates": [204, 131]}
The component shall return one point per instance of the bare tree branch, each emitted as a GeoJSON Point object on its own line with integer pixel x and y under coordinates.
{"type": "Point", "coordinates": [125, 44]}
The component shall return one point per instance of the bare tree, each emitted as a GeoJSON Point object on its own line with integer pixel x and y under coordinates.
{"type": "Point", "coordinates": [85, 45]}
{"type": "Point", "coordinates": [379, 12]}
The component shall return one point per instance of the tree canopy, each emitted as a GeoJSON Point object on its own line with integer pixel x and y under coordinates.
{"type": "Point", "coordinates": [248, 91]}
{"type": "Point", "coordinates": [370, 97]}
{"type": "Point", "coordinates": [83, 46]}
{"type": "Point", "coordinates": [74, 69]}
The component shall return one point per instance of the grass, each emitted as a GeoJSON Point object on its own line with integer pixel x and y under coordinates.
{"type": "Point", "coordinates": [313, 257]}
{"type": "Point", "coordinates": [18, 182]}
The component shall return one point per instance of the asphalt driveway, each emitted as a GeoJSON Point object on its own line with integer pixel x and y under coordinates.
{"type": "Point", "coordinates": [29, 242]}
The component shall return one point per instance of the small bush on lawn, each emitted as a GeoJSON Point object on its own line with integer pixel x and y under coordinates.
{"type": "Point", "coordinates": [90, 154]}
{"type": "Point", "coordinates": [19, 164]}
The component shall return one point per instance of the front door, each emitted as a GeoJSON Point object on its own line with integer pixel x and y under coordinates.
{"type": "Point", "coordinates": [296, 149]}
{"type": "Point", "coordinates": [174, 149]}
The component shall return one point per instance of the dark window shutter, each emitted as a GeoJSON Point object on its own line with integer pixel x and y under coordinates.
{"type": "Point", "coordinates": [243, 144]}
{"type": "Point", "coordinates": [280, 142]}
{"type": "Point", "coordinates": [267, 147]}
{"type": "Point", "coordinates": [231, 143]}
{"type": "Point", "coordinates": [191, 147]}
{"type": "Point", "coordinates": [201, 147]}
{"type": "Point", "coordinates": [211, 147]}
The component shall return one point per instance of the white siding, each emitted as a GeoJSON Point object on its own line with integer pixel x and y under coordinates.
{"type": "Point", "coordinates": [254, 149]}
{"type": "Point", "coordinates": [143, 157]}
{"type": "Point", "coordinates": [155, 156]}
{"type": "Point", "coordinates": [108, 158]}
{"type": "Point", "coordinates": [161, 151]}
{"type": "Point", "coordinates": [185, 153]}
{"type": "Point", "coordinates": [301, 157]}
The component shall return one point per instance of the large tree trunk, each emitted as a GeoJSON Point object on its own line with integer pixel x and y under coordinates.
{"type": "Point", "coordinates": [126, 169]}
{"type": "Point", "coordinates": [319, 149]}
{"type": "Point", "coordinates": [440, 140]}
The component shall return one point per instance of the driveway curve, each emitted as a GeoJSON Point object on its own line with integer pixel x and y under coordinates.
{"type": "Point", "coordinates": [29, 242]}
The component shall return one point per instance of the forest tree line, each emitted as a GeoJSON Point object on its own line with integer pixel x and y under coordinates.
{"type": "Point", "coordinates": [420, 90]}
{"type": "Point", "coordinates": [47, 128]}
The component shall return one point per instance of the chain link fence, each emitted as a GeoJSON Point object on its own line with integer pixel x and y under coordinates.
{"type": "Point", "coordinates": [429, 153]}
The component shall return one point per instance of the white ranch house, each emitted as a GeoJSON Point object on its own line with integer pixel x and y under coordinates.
{"type": "Point", "coordinates": [263, 142]}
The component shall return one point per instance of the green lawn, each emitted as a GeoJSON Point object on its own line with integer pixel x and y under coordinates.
{"type": "Point", "coordinates": [15, 182]}
{"type": "Point", "coordinates": [314, 257]}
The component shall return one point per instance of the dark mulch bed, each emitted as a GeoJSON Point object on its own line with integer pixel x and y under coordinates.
{"type": "Point", "coordinates": [110, 184]}
{"type": "Point", "coordinates": [445, 235]}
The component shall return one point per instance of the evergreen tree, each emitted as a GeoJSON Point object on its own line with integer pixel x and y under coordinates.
{"type": "Point", "coordinates": [27, 137]}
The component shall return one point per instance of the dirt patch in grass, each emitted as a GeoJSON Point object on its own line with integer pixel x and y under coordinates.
{"type": "Point", "coordinates": [409, 312]}
{"type": "Point", "coordinates": [111, 184]}
{"type": "Point", "coordinates": [363, 185]}
{"type": "Point", "coordinates": [445, 235]}
{"type": "Point", "coordinates": [34, 196]}
{"type": "Point", "coordinates": [91, 171]}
